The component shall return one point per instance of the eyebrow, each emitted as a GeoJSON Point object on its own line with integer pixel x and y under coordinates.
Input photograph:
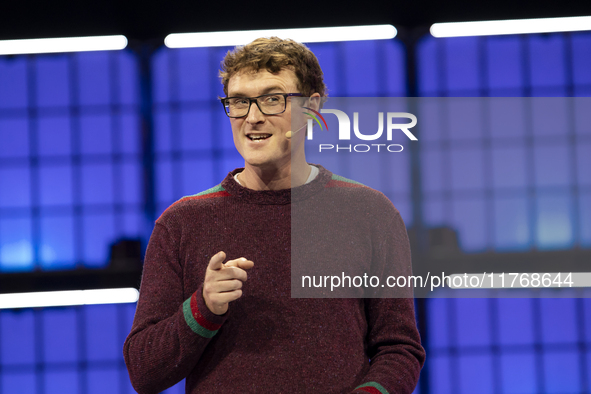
{"type": "Point", "coordinates": [270, 89]}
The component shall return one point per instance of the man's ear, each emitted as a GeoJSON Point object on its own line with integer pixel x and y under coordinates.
{"type": "Point", "coordinates": [314, 101]}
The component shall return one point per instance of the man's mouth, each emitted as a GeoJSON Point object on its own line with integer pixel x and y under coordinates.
{"type": "Point", "coordinates": [258, 137]}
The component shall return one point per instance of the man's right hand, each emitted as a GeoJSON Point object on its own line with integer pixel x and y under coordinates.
{"type": "Point", "coordinates": [223, 282]}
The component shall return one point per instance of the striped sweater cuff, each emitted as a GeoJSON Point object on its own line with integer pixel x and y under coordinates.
{"type": "Point", "coordinates": [196, 320]}
{"type": "Point", "coordinates": [371, 387]}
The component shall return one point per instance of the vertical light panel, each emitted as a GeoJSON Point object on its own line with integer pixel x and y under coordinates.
{"type": "Point", "coordinates": [69, 129]}
{"type": "Point", "coordinates": [523, 187]}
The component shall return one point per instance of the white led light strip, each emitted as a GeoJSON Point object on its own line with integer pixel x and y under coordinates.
{"type": "Point", "coordinates": [308, 35]}
{"type": "Point", "coordinates": [69, 44]}
{"type": "Point", "coordinates": [511, 26]}
{"type": "Point", "coordinates": [68, 298]}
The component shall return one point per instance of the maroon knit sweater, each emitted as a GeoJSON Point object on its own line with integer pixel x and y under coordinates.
{"type": "Point", "coordinates": [267, 342]}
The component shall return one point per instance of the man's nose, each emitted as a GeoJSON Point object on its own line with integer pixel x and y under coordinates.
{"type": "Point", "coordinates": [254, 113]}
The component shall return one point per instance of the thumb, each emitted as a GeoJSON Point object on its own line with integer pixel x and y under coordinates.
{"type": "Point", "coordinates": [217, 261]}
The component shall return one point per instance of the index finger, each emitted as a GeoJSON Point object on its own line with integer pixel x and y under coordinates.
{"type": "Point", "coordinates": [241, 263]}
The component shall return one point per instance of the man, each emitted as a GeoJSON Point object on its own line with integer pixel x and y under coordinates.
{"type": "Point", "coordinates": [215, 305]}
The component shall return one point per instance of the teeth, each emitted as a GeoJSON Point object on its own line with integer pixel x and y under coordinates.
{"type": "Point", "coordinates": [259, 136]}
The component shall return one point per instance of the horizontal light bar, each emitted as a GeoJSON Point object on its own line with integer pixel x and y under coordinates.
{"type": "Point", "coordinates": [308, 35]}
{"type": "Point", "coordinates": [68, 298]}
{"type": "Point", "coordinates": [69, 44]}
{"type": "Point", "coordinates": [511, 26]}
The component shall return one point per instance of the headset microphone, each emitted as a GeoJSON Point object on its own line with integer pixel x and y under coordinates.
{"type": "Point", "coordinates": [290, 134]}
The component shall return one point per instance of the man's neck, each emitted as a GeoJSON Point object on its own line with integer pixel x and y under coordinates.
{"type": "Point", "coordinates": [274, 179]}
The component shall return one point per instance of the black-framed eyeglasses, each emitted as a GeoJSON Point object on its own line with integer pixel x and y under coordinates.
{"type": "Point", "coordinates": [269, 104]}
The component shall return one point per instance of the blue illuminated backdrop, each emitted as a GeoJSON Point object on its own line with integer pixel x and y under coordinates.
{"type": "Point", "coordinates": [70, 174]}
{"type": "Point", "coordinates": [528, 189]}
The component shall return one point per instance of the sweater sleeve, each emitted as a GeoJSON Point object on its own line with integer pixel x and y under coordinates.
{"type": "Point", "coordinates": [394, 347]}
{"type": "Point", "coordinates": [393, 341]}
{"type": "Point", "coordinates": [169, 333]}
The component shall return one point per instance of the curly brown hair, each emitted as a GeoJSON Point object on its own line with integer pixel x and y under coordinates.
{"type": "Point", "coordinates": [274, 54]}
